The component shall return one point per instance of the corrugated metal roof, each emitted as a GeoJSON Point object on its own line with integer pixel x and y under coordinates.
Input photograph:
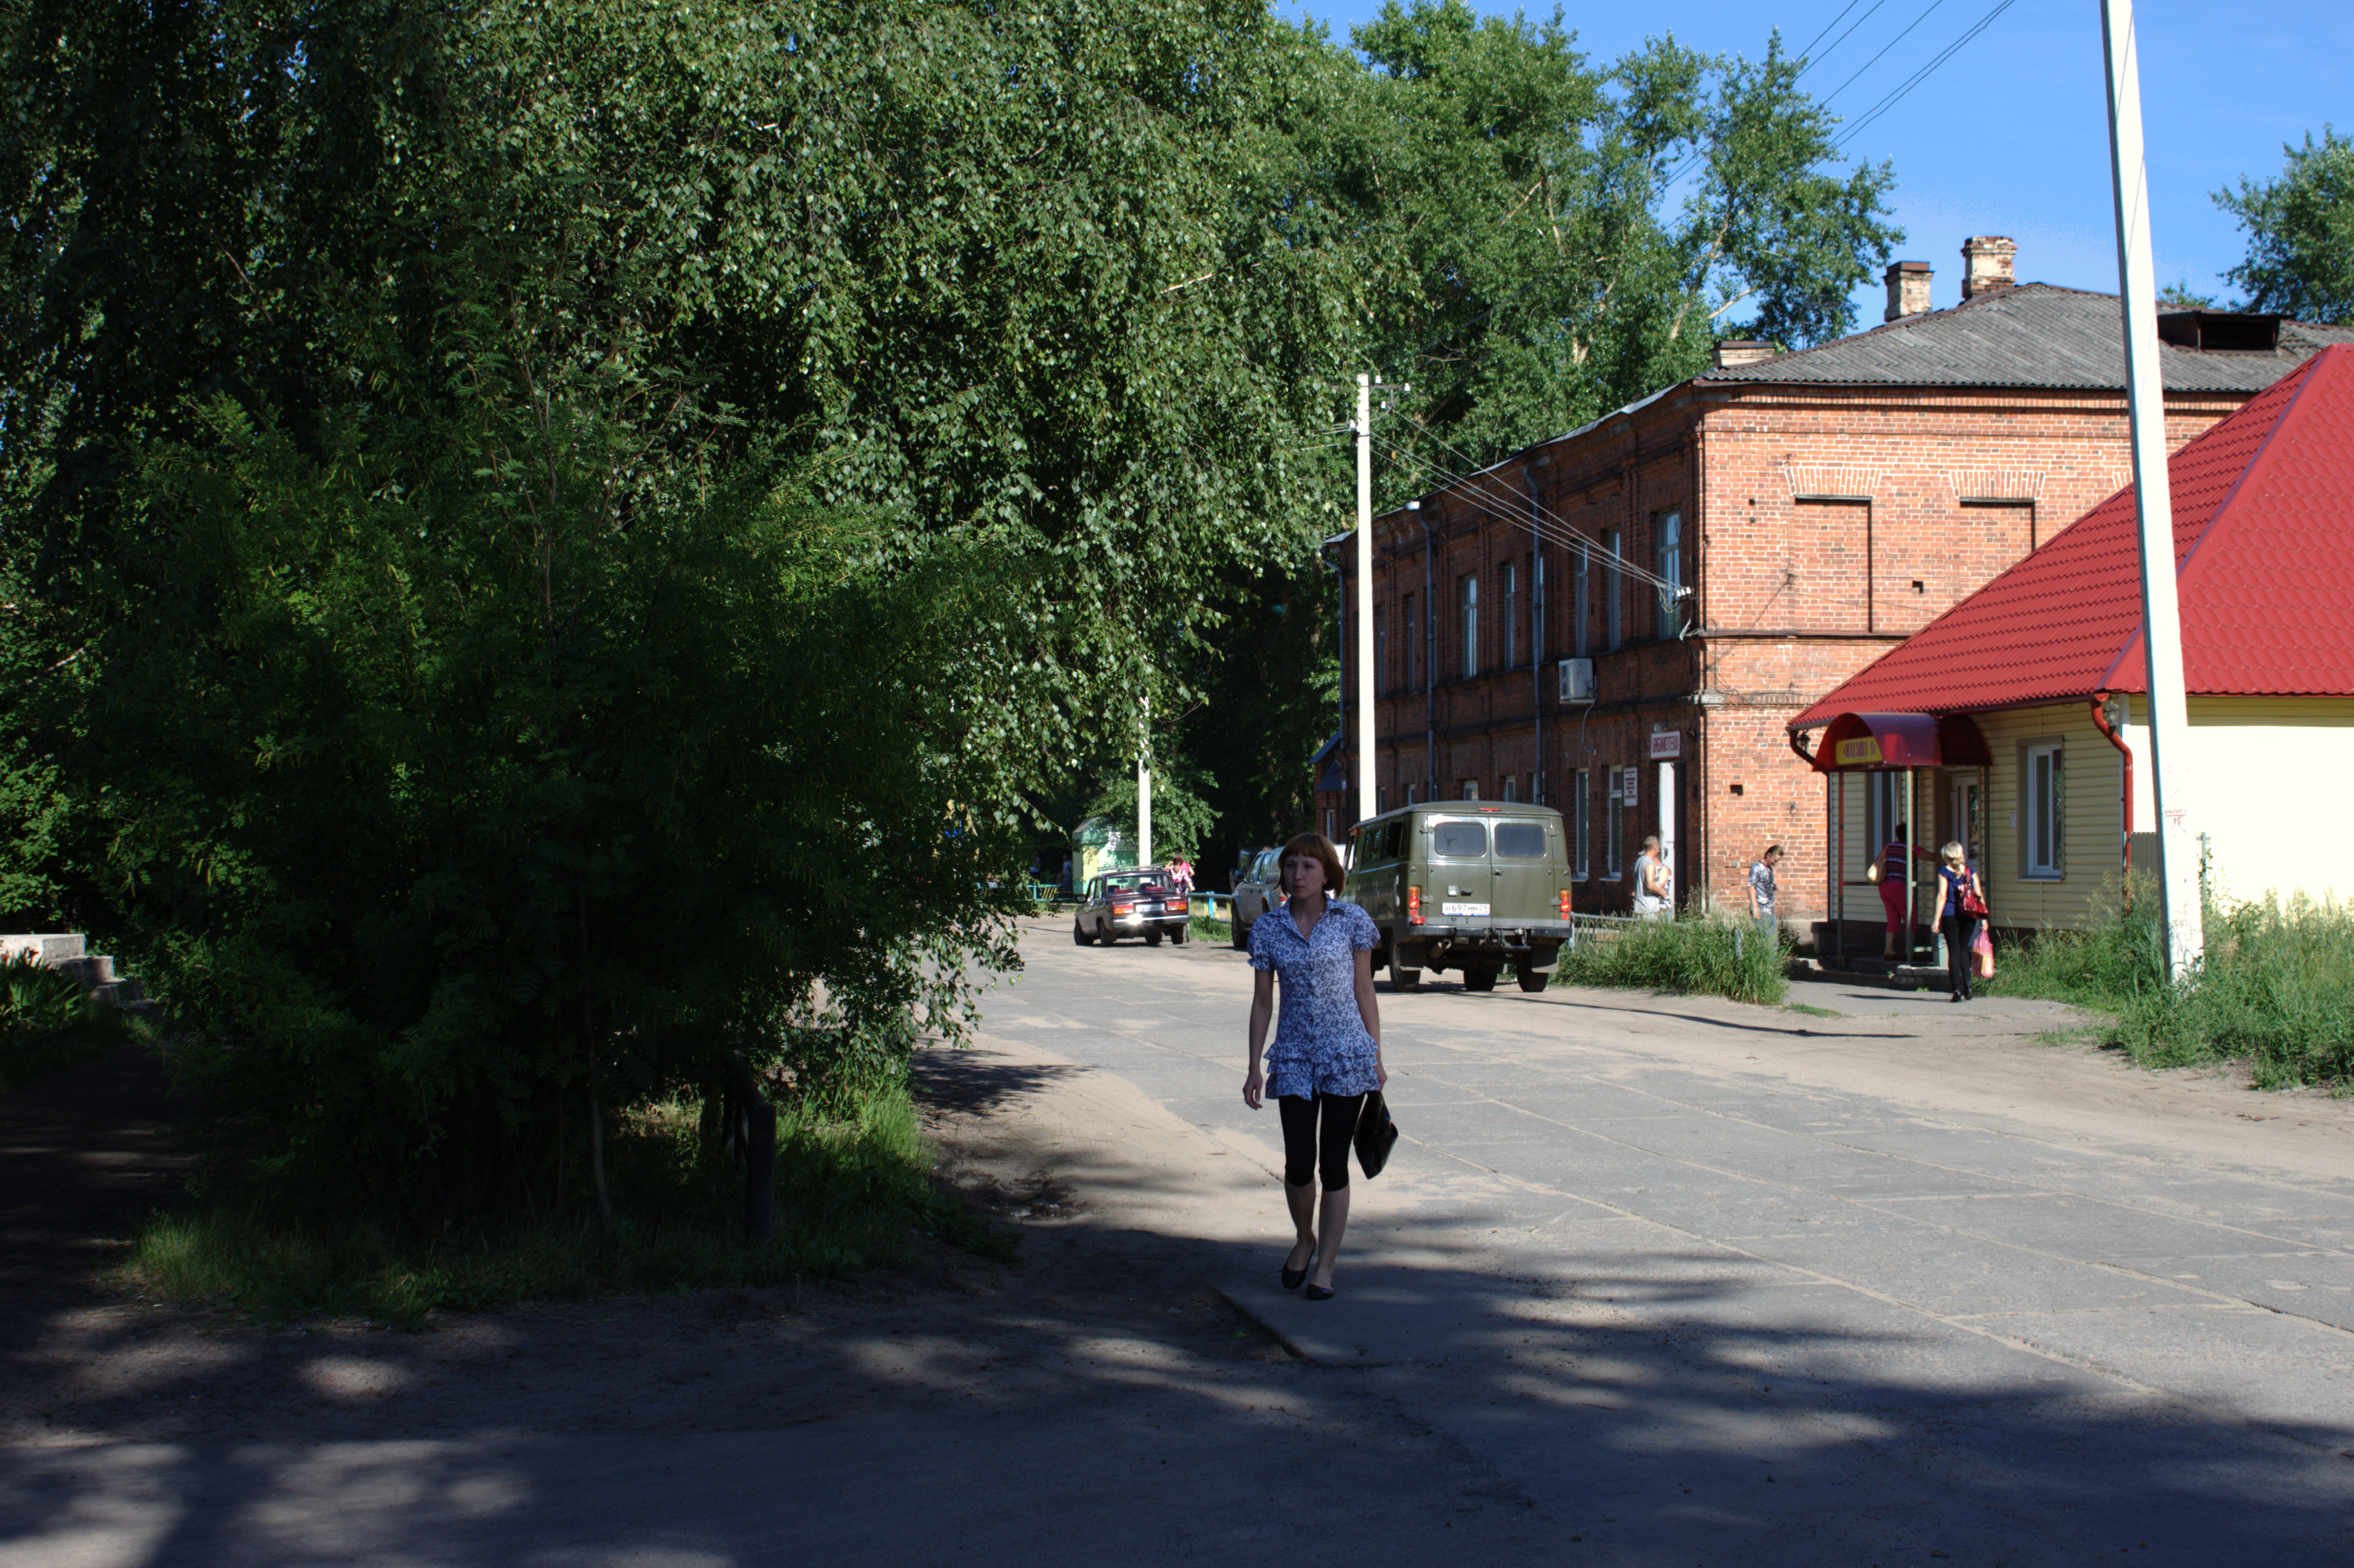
{"type": "Point", "coordinates": [2263, 541]}
{"type": "Point", "coordinates": [2036, 334]}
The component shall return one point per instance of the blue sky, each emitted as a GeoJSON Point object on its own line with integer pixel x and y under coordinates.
{"type": "Point", "coordinates": [2011, 134]}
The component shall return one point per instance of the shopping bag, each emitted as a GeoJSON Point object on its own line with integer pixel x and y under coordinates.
{"type": "Point", "coordinates": [1983, 945]}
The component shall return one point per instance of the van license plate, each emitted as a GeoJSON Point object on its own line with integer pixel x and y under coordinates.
{"type": "Point", "coordinates": [1463, 909]}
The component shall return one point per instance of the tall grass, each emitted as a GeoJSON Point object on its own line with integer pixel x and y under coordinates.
{"type": "Point", "coordinates": [850, 1191]}
{"type": "Point", "coordinates": [1704, 955]}
{"type": "Point", "coordinates": [48, 1020]}
{"type": "Point", "coordinates": [2276, 989]}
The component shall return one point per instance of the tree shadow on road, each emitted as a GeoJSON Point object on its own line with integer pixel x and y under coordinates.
{"type": "Point", "coordinates": [1608, 1392]}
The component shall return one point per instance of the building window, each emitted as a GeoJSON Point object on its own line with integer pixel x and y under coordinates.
{"type": "Point", "coordinates": [2045, 814]}
{"type": "Point", "coordinates": [1581, 594]}
{"type": "Point", "coordinates": [1536, 609]}
{"type": "Point", "coordinates": [1884, 808]}
{"type": "Point", "coordinates": [1512, 618]}
{"type": "Point", "coordinates": [1511, 787]}
{"type": "Point", "coordinates": [1328, 822]}
{"type": "Point", "coordinates": [1667, 534]}
{"type": "Point", "coordinates": [1470, 788]}
{"type": "Point", "coordinates": [1614, 821]}
{"type": "Point", "coordinates": [1470, 626]}
{"type": "Point", "coordinates": [1382, 646]}
{"type": "Point", "coordinates": [1582, 804]}
{"type": "Point", "coordinates": [1381, 798]}
{"type": "Point", "coordinates": [1610, 595]}
{"type": "Point", "coordinates": [1408, 627]}
{"type": "Point", "coordinates": [1409, 794]}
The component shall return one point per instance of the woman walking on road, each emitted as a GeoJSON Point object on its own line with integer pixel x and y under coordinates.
{"type": "Point", "coordinates": [1327, 1046]}
{"type": "Point", "coordinates": [1958, 881]}
{"type": "Point", "coordinates": [1892, 871]}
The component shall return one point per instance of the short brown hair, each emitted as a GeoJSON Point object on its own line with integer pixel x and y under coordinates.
{"type": "Point", "coordinates": [1317, 847]}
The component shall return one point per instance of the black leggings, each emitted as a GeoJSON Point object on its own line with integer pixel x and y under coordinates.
{"type": "Point", "coordinates": [1304, 1152]}
{"type": "Point", "coordinates": [1961, 930]}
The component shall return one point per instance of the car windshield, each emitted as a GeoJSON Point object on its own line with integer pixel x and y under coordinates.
{"type": "Point", "coordinates": [1520, 841]}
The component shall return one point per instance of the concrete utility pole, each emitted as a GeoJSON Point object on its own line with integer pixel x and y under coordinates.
{"type": "Point", "coordinates": [1144, 791]}
{"type": "Point", "coordinates": [1364, 597]}
{"type": "Point", "coordinates": [2161, 619]}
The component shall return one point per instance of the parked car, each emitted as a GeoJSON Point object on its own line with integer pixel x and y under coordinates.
{"type": "Point", "coordinates": [1256, 891]}
{"type": "Point", "coordinates": [1476, 886]}
{"type": "Point", "coordinates": [1146, 903]}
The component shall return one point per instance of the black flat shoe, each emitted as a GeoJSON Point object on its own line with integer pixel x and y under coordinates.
{"type": "Point", "coordinates": [1292, 1277]}
{"type": "Point", "coordinates": [1319, 1293]}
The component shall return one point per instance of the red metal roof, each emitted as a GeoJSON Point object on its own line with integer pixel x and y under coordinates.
{"type": "Point", "coordinates": [2263, 545]}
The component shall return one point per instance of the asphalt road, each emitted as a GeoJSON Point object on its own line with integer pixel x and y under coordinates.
{"type": "Point", "coordinates": [1725, 1284]}
{"type": "Point", "coordinates": [1652, 1282]}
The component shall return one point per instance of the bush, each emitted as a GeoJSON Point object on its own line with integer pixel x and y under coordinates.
{"type": "Point", "coordinates": [1704, 955]}
{"type": "Point", "coordinates": [850, 1189]}
{"type": "Point", "coordinates": [2276, 989]}
{"type": "Point", "coordinates": [48, 1020]}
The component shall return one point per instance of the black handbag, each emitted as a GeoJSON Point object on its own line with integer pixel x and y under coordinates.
{"type": "Point", "coordinates": [1376, 1134]}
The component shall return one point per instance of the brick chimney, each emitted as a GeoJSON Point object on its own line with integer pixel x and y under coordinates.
{"type": "Point", "coordinates": [1988, 265]}
{"type": "Point", "coordinates": [1908, 290]}
{"type": "Point", "coordinates": [1734, 351]}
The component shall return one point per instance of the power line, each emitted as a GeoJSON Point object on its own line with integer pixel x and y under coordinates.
{"type": "Point", "coordinates": [1897, 94]}
{"type": "Point", "coordinates": [1843, 38]}
{"type": "Point", "coordinates": [1883, 51]}
{"type": "Point", "coordinates": [1818, 39]}
{"type": "Point", "coordinates": [1523, 508]}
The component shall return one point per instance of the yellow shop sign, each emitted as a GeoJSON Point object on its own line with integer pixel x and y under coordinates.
{"type": "Point", "coordinates": [1863, 748]}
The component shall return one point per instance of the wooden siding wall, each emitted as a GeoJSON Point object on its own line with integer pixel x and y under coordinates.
{"type": "Point", "coordinates": [2092, 855]}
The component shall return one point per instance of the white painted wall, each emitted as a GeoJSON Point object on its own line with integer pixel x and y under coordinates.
{"type": "Point", "coordinates": [2268, 780]}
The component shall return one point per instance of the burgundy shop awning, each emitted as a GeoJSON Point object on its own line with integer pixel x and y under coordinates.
{"type": "Point", "coordinates": [1885, 743]}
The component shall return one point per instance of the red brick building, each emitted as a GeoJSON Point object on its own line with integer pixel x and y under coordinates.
{"type": "Point", "coordinates": [1816, 508]}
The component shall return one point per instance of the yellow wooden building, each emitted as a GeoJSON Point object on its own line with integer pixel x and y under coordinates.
{"type": "Point", "coordinates": [2015, 725]}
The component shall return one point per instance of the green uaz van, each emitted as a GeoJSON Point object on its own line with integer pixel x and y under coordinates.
{"type": "Point", "coordinates": [1476, 886]}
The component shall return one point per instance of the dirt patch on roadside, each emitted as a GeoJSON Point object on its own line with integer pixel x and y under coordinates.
{"type": "Point", "coordinates": [84, 1363]}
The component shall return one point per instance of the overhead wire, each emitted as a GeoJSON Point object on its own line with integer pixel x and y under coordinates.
{"type": "Point", "coordinates": [1548, 526]}
{"type": "Point", "coordinates": [1804, 53]}
{"type": "Point", "coordinates": [1897, 94]}
{"type": "Point", "coordinates": [1849, 133]}
{"type": "Point", "coordinates": [1890, 44]}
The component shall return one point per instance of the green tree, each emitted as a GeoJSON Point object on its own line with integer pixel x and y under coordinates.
{"type": "Point", "coordinates": [550, 543]}
{"type": "Point", "coordinates": [2300, 231]}
{"type": "Point", "coordinates": [1555, 239]}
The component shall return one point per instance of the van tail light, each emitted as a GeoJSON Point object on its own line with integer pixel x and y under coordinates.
{"type": "Point", "coordinates": [1414, 906]}
{"type": "Point", "coordinates": [1564, 902]}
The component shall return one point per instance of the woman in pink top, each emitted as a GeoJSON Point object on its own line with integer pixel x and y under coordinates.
{"type": "Point", "coordinates": [1895, 870]}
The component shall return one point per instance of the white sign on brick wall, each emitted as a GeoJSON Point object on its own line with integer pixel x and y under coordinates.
{"type": "Point", "coordinates": [1667, 746]}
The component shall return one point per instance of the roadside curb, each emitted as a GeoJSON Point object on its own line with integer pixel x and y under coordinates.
{"type": "Point", "coordinates": [1317, 1347]}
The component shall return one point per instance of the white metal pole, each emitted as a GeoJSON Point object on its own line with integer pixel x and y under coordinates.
{"type": "Point", "coordinates": [1668, 827]}
{"type": "Point", "coordinates": [1364, 597]}
{"type": "Point", "coordinates": [1144, 791]}
{"type": "Point", "coordinates": [2161, 619]}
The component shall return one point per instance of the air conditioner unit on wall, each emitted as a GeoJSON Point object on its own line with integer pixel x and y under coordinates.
{"type": "Point", "coordinates": [1577, 680]}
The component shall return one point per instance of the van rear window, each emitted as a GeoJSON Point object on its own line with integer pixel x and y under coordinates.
{"type": "Point", "coordinates": [1460, 841]}
{"type": "Point", "coordinates": [1520, 841]}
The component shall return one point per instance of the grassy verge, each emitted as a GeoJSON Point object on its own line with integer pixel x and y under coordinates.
{"type": "Point", "coordinates": [48, 1021]}
{"type": "Point", "coordinates": [2275, 991]}
{"type": "Point", "coordinates": [1202, 928]}
{"type": "Point", "coordinates": [1694, 954]}
{"type": "Point", "coordinates": [848, 1193]}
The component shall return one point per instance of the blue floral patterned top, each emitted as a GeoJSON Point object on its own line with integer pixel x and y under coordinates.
{"type": "Point", "coordinates": [1320, 1046]}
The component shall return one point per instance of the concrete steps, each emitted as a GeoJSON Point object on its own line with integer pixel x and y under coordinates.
{"type": "Point", "coordinates": [67, 950]}
{"type": "Point", "coordinates": [1879, 972]}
